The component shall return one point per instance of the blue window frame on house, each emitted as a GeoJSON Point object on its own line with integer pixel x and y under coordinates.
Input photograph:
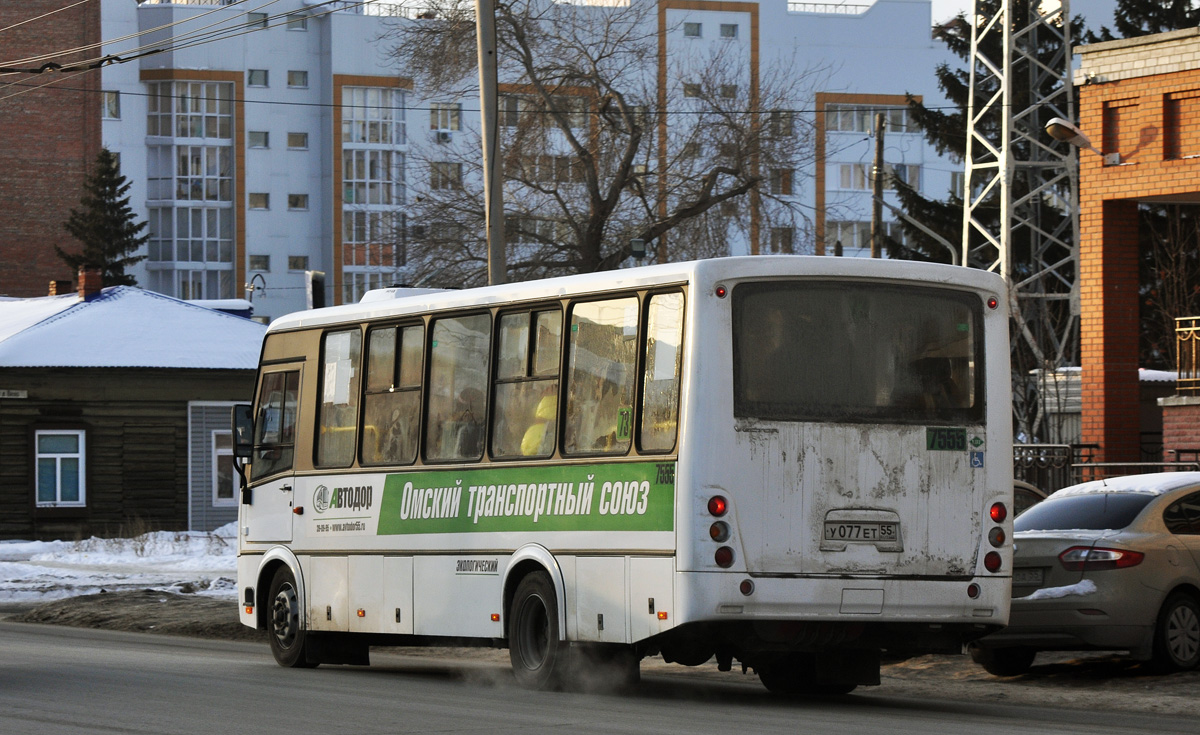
{"type": "Point", "coordinates": [60, 464]}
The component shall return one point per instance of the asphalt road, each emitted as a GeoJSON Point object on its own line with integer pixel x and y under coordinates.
{"type": "Point", "coordinates": [56, 680]}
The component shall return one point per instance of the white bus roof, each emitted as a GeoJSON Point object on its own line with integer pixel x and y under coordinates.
{"type": "Point", "coordinates": [383, 303]}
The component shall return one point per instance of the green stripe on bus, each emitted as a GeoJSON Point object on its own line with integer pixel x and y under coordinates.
{"type": "Point", "coordinates": [600, 497]}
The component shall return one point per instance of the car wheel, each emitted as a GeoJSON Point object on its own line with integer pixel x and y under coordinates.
{"type": "Point", "coordinates": [538, 657]}
{"type": "Point", "coordinates": [1177, 634]}
{"type": "Point", "coordinates": [286, 632]}
{"type": "Point", "coordinates": [1003, 661]}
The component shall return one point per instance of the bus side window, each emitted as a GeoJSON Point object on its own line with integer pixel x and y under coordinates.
{"type": "Point", "coordinates": [338, 419]}
{"type": "Point", "coordinates": [601, 371]}
{"type": "Point", "coordinates": [660, 393]}
{"type": "Point", "coordinates": [275, 425]}
{"type": "Point", "coordinates": [524, 420]}
{"type": "Point", "coordinates": [392, 400]}
{"type": "Point", "coordinates": [458, 384]}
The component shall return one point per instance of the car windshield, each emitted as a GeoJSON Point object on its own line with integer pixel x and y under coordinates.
{"type": "Point", "coordinates": [1095, 512]}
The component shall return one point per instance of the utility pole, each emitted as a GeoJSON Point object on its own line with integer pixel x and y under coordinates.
{"type": "Point", "coordinates": [493, 185]}
{"type": "Point", "coordinates": [878, 174]}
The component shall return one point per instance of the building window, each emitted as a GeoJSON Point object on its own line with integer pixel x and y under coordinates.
{"type": "Point", "coordinates": [956, 183]}
{"type": "Point", "coordinates": [445, 175]}
{"type": "Point", "coordinates": [444, 116]}
{"type": "Point", "coordinates": [372, 176]}
{"type": "Point", "coordinates": [728, 91]}
{"type": "Point", "coordinates": [260, 201]}
{"type": "Point", "coordinates": [782, 123]}
{"type": "Point", "coordinates": [297, 262]}
{"type": "Point", "coordinates": [297, 22]}
{"type": "Point", "coordinates": [190, 110]}
{"type": "Point", "coordinates": [729, 30]}
{"type": "Point", "coordinates": [258, 139]}
{"type": "Point", "coordinates": [782, 240]}
{"type": "Point", "coordinates": [297, 141]}
{"type": "Point", "coordinates": [260, 262]}
{"type": "Point", "coordinates": [256, 77]}
{"type": "Point", "coordinates": [691, 90]}
{"type": "Point", "coordinates": [112, 105]}
{"type": "Point", "coordinates": [691, 30]}
{"type": "Point", "coordinates": [372, 115]}
{"type": "Point", "coordinates": [781, 181]}
{"type": "Point", "coordinates": [256, 20]}
{"type": "Point", "coordinates": [861, 119]}
{"type": "Point", "coordinates": [297, 79]}
{"type": "Point", "coordinates": [854, 176]}
{"type": "Point", "coordinates": [60, 459]}
{"type": "Point", "coordinates": [298, 202]}
{"type": "Point", "coordinates": [904, 173]}
{"type": "Point", "coordinates": [223, 476]}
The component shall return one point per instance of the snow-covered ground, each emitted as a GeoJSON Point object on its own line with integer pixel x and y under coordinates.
{"type": "Point", "coordinates": [185, 561]}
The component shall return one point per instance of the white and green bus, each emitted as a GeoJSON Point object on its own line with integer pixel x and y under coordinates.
{"type": "Point", "coordinates": [792, 462]}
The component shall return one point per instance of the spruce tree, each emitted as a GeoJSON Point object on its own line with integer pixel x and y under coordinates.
{"type": "Point", "coordinates": [1133, 18]}
{"type": "Point", "coordinates": [105, 225]}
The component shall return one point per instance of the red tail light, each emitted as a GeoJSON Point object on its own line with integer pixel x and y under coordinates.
{"type": "Point", "coordinates": [717, 506]}
{"type": "Point", "coordinates": [1088, 559]}
{"type": "Point", "coordinates": [991, 562]}
{"type": "Point", "coordinates": [998, 512]}
{"type": "Point", "coordinates": [724, 557]}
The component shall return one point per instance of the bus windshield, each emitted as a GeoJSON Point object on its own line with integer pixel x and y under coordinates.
{"type": "Point", "coordinates": [846, 351]}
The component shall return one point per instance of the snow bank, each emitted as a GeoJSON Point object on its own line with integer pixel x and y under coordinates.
{"type": "Point", "coordinates": [1086, 587]}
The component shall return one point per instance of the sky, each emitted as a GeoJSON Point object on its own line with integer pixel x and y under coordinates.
{"type": "Point", "coordinates": [185, 561]}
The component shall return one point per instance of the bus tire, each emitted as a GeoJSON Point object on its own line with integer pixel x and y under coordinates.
{"type": "Point", "coordinates": [538, 657]}
{"type": "Point", "coordinates": [1003, 661]}
{"type": "Point", "coordinates": [285, 632]}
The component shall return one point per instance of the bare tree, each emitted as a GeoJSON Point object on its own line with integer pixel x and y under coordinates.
{"type": "Point", "coordinates": [602, 141]}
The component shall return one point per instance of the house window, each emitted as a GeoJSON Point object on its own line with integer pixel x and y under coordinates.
{"type": "Point", "coordinates": [956, 182]}
{"type": "Point", "coordinates": [729, 30]}
{"type": "Point", "coordinates": [445, 175]}
{"type": "Point", "coordinates": [782, 123]}
{"type": "Point", "coordinates": [222, 468]}
{"type": "Point", "coordinates": [298, 201]}
{"type": "Point", "coordinates": [691, 30]}
{"type": "Point", "coordinates": [258, 139]}
{"type": "Point", "coordinates": [854, 176]}
{"type": "Point", "coordinates": [256, 20]}
{"type": "Point", "coordinates": [372, 115]}
{"type": "Point", "coordinates": [297, 141]}
{"type": "Point", "coordinates": [256, 77]}
{"type": "Point", "coordinates": [297, 262]}
{"type": "Point", "coordinates": [260, 262]}
{"type": "Point", "coordinates": [781, 181]}
{"type": "Point", "coordinates": [112, 105]}
{"type": "Point", "coordinates": [260, 201]}
{"type": "Point", "coordinates": [297, 78]}
{"type": "Point", "coordinates": [297, 22]}
{"type": "Point", "coordinates": [59, 457]}
{"type": "Point", "coordinates": [728, 91]}
{"type": "Point", "coordinates": [691, 90]}
{"type": "Point", "coordinates": [444, 116]}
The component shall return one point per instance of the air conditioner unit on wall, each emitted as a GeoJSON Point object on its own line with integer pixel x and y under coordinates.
{"type": "Point", "coordinates": [444, 136]}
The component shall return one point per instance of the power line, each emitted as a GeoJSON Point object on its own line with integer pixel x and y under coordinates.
{"type": "Point", "coordinates": [43, 15]}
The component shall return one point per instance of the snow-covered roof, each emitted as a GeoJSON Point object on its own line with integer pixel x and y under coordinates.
{"type": "Point", "coordinates": [124, 327]}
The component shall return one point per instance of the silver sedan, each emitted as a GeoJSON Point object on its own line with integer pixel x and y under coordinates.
{"type": "Point", "coordinates": [1107, 565]}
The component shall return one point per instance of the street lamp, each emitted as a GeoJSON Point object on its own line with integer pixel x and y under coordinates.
{"type": "Point", "coordinates": [1066, 131]}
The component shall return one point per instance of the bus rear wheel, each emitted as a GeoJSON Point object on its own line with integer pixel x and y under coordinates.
{"type": "Point", "coordinates": [286, 633]}
{"type": "Point", "coordinates": [538, 656]}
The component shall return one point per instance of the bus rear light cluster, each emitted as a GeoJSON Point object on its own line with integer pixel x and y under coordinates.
{"type": "Point", "coordinates": [992, 561]}
{"type": "Point", "coordinates": [719, 531]}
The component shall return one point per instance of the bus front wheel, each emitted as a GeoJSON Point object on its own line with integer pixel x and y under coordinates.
{"type": "Point", "coordinates": [538, 656]}
{"type": "Point", "coordinates": [286, 632]}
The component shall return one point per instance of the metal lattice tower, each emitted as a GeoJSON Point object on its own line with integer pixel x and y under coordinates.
{"type": "Point", "coordinates": [1020, 77]}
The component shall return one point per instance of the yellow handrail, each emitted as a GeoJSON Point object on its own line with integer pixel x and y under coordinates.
{"type": "Point", "coordinates": [1187, 352]}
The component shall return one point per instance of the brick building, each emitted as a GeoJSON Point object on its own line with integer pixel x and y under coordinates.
{"type": "Point", "coordinates": [51, 135]}
{"type": "Point", "coordinates": [1139, 102]}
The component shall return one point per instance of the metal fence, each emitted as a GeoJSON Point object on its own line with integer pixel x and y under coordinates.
{"type": "Point", "coordinates": [1187, 344]}
{"type": "Point", "coordinates": [838, 8]}
{"type": "Point", "coordinates": [1051, 467]}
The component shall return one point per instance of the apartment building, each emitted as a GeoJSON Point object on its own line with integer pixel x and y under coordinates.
{"type": "Point", "coordinates": [268, 140]}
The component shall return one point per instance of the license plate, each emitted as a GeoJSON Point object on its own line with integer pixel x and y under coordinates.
{"type": "Point", "coordinates": [861, 531]}
{"type": "Point", "coordinates": [1028, 577]}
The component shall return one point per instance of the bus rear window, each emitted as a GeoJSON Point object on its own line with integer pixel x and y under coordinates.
{"type": "Point", "coordinates": [809, 351]}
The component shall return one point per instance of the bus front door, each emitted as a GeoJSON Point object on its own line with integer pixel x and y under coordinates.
{"type": "Point", "coordinates": [267, 509]}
